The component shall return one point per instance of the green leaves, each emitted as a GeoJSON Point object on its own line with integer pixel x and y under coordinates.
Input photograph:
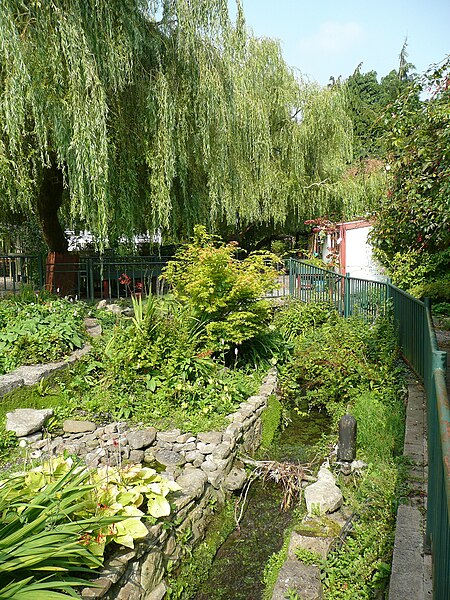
{"type": "Point", "coordinates": [58, 517]}
{"type": "Point", "coordinates": [223, 292]}
{"type": "Point", "coordinates": [415, 215]}
{"type": "Point", "coordinates": [36, 332]}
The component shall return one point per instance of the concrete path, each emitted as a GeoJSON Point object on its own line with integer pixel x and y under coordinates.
{"type": "Point", "coordinates": [411, 577]}
{"type": "Point", "coordinates": [411, 565]}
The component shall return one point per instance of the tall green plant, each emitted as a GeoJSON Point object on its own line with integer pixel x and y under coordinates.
{"type": "Point", "coordinates": [221, 290]}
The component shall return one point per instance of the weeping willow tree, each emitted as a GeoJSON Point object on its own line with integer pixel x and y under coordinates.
{"type": "Point", "coordinates": [128, 115]}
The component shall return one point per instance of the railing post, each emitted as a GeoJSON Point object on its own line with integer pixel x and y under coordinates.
{"type": "Point", "coordinates": [347, 295]}
{"type": "Point", "coordinates": [41, 279]}
{"type": "Point", "coordinates": [291, 278]}
{"type": "Point", "coordinates": [90, 278]}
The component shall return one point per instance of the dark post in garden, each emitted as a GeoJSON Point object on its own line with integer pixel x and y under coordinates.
{"type": "Point", "coordinates": [347, 441]}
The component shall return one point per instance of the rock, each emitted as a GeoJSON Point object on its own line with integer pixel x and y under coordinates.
{"type": "Point", "coordinates": [209, 464]}
{"type": "Point", "coordinates": [323, 496]}
{"type": "Point", "coordinates": [24, 421]}
{"type": "Point", "coordinates": [114, 308]}
{"type": "Point", "coordinates": [215, 478]}
{"type": "Point", "coordinates": [152, 570]}
{"type": "Point", "coordinates": [74, 426]}
{"type": "Point", "coordinates": [303, 579]}
{"type": "Point", "coordinates": [205, 448]}
{"type": "Point", "coordinates": [102, 304]}
{"type": "Point", "coordinates": [192, 482]}
{"type": "Point", "coordinates": [193, 455]}
{"type": "Point", "coordinates": [168, 436]}
{"type": "Point", "coordinates": [357, 466]}
{"type": "Point", "coordinates": [235, 479]}
{"type": "Point", "coordinates": [93, 327]}
{"type": "Point", "coordinates": [184, 438]}
{"type": "Point", "coordinates": [316, 544]}
{"type": "Point", "coordinates": [141, 439]}
{"type": "Point", "coordinates": [169, 458]}
{"type": "Point", "coordinates": [32, 374]}
{"type": "Point", "coordinates": [102, 586]}
{"type": "Point", "coordinates": [222, 451]}
{"type": "Point", "coordinates": [10, 382]}
{"type": "Point", "coordinates": [136, 456]}
{"type": "Point", "coordinates": [109, 429]}
{"type": "Point", "coordinates": [210, 437]}
{"type": "Point", "coordinates": [33, 438]}
{"type": "Point", "coordinates": [158, 593]}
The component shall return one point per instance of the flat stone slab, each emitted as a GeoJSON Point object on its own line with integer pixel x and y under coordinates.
{"type": "Point", "coordinates": [10, 382]}
{"type": "Point", "coordinates": [24, 421]}
{"type": "Point", "coordinates": [303, 579]}
{"type": "Point", "coordinates": [74, 426]}
{"type": "Point", "coordinates": [318, 545]}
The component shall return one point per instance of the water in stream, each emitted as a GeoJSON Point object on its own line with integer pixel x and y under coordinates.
{"type": "Point", "coordinates": [239, 564]}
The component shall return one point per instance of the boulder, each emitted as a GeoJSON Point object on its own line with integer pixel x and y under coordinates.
{"type": "Point", "coordinates": [323, 496]}
{"type": "Point", "coordinates": [168, 458]}
{"type": "Point", "coordinates": [235, 479]}
{"type": "Point", "coordinates": [144, 438]}
{"type": "Point", "coordinates": [24, 421]}
{"type": "Point", "coordinates": [303, 579]}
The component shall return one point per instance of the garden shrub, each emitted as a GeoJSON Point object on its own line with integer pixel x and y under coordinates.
{"type": "Point", "coordinates": [438, 291]}
{"type": "Point", "coordinates": [223, 292]}
{"type": "Point", "coordinates": [155, 368]}
{"type": "Point", "coordinates": [413, 269]}
{"type": "Point", "coordinates": [340, 360]}
{"type": "Point", "coordinates": [298, 318]}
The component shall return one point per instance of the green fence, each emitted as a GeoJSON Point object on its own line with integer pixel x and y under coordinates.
{"type": "Point", "coordinates": [83, 277]}
{"type": "Point", "coordinates": [418, 340]}
{"type": "Point", "coordinates": [350, 295]}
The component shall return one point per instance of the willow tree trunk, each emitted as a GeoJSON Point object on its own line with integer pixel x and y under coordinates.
{"type": "Point", "coordinates": [48, 203]}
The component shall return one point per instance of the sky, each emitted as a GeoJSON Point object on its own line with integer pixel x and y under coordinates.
{"type": "Point", "coordinates": [323, 38]}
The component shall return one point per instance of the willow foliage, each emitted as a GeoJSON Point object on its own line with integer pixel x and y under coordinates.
{"type": "Point", "coordinates": [160, 114]}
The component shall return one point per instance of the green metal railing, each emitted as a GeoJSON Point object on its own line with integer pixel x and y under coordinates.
{"type": "Point", "coordinates": [18, 270]}
{"type": "Point", "coordinates": [418, 341]}
{"type": "Point", "coordinates": [350, 295]}
{"type": "Point", "coordinates": [84, 277]}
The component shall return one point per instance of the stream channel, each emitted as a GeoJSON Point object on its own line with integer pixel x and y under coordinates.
{"type": "Point", "coordinates": [238, 567]}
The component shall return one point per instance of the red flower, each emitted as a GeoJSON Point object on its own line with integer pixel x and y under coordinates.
{"type": "Point", "coordinates": [125, 279]}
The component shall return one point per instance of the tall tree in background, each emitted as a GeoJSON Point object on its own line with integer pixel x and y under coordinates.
{"type": "Point", "coordinates": [127, 115]}
{"type": "Point", "coordinates": [367, 102]}
{"type": "Point", "coordinates": [415, 216]}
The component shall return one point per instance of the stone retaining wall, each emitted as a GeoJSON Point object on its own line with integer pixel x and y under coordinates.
{"type": "Point", "coordinates": [204, 465]}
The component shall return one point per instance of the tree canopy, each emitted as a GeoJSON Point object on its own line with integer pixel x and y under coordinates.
{"type": "Point", "coordinates": [127, 115]}
{"type": "Point", "coordinates": [415, 214]}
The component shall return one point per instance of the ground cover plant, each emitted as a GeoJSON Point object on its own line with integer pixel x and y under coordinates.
{"type": "Point", "coordinates": [38, 328]}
